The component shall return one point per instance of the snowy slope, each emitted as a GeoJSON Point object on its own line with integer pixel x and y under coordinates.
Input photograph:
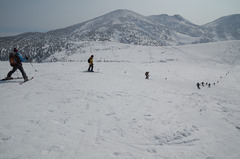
{"type": "Point", "coordinates": [66, 113]}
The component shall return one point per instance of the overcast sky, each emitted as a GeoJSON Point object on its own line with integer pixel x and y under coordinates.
{"type": "Point", "coordinates": [18, 16]}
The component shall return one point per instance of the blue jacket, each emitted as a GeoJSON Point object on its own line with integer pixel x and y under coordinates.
{"type": "Point", "coordinates": [21, 58]}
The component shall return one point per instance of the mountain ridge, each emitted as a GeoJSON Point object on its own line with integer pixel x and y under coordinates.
{"type": "Point", "coordinates": [225, 28]}
{"type": "Point", "coordinates": [123, 26]}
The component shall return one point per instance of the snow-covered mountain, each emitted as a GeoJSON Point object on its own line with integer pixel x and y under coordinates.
{"type": "Point", "coordinates": [183, 28]}
{"type": "Point", "coordinates": [225, 28]}
{"type": "Point", "coordinates": [121, 26]}
{"type": "Point", "coordinates": [179, 24]}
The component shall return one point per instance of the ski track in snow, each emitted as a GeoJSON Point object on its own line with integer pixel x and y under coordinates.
{"type": "Point", "coordinates": [116, 113]}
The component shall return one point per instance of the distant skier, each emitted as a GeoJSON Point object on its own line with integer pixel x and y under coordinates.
{"type": "Point", "coordinates": [209, 85]}
{"type": "Point", "coordinates": [203, 84]}
{"type": "Point", "coordinates": [90, 61]}
{"type": "Point", "coordinates": [147, 75]}
{"type": "Point", "coordinates": [198, 85]}
{"type": "Point", "coordinates": [16, 60]}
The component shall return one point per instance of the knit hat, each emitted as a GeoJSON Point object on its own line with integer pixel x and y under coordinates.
{"type": "Point", "coordinates": [15, 50]}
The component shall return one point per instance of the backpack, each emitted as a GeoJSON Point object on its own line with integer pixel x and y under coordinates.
{"type": "Point", "coordinates": [88, 60]}
{"type": "Point", "coordinates": [14, 60]}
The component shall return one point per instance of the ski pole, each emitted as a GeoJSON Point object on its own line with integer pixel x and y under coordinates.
{"type": "Point", "coordinates": [33, 66]}
{"type": "Point", "coordinates": [84, 67]}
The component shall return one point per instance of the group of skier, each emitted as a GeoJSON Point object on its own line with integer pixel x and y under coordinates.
{"type": "Point", "coordinates": [203, 84]}
{"type": "Point", "coordinates": [16, 60]}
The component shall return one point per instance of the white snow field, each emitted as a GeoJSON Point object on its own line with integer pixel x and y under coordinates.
{"type": "Point", "coordinates": [115, 113]}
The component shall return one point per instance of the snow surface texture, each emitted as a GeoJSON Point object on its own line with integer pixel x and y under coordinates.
{"type": "Point", "coordinates": [67, 113]}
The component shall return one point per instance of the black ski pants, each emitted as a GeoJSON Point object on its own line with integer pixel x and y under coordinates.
{"type": "Point", "coordinates": [20, 68]}
{"type": "Point", "coordinates": [90, 68]}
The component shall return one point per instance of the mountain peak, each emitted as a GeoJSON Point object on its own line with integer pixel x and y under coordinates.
{"type": "Point", "coordinates": [179, 17]}
{"type": "Point", "coordinates": [122, 13]}
{"type": "Point", "coordinates": [119, 11]}
{"type": "Point", "coordinates": [165, 18]}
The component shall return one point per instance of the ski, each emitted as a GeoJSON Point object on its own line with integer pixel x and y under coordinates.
{"type": "Point", "coordinates": [91, 71]}
{"type": "Point", "coordinates": [25, 81]}
{"type": "Point", "coordinates": [5, 79]}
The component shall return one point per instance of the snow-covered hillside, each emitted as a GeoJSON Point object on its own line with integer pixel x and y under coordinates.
{"type": "Point", "coordinates": [179, 24]}
{"type": "Point", "coordinates": [225, 28]}
{"type": "Point", "coordinates": [67, 113]}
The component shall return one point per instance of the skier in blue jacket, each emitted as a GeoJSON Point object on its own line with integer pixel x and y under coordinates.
{"type": "Point", "coordinates": [17, 64]}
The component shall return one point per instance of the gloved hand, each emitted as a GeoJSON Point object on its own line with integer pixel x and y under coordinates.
{"type": "Point", "coordinates": [26, 57]}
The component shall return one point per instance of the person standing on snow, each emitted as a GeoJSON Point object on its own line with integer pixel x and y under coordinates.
{"type": "Point", "coordinates": [90, 61]}
{"type": "Point", "coordinates": [209, 85]}
{"type": "Point", "coordinates": [16, 62]}
{"type": "Point", "coordinates": [147, 75]}
{"type": "Point", "coordinates": [198, 85]}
